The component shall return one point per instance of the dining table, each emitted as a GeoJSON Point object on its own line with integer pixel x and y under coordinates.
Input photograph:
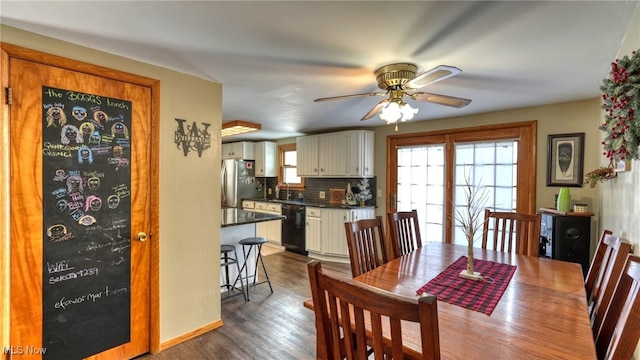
{"type": "Point", "coordinates": [542, 313]}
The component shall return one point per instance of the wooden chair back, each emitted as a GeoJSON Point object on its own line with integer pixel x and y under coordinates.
{"type": "Point", "coordinates": [342, 306]}
{"type": "Point", "coordinates": [621, 328]}
{"type": "Point", "coordinates": [616, 252]}
{"type": "Point", "coordinates": [367, 245]}
{"type": "Point", "coordinates": [512, 232]}
{"type": "Point", "coordinates": [594, 273]}
{"type": "Point", "coordinates": [404, 231]}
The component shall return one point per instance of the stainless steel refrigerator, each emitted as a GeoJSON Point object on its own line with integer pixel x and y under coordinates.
{"type": "Point", "coordinates": [238, 181]}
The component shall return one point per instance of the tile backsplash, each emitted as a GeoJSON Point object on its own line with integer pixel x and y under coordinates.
{"type": "Point", "coordinates": [313, 187]}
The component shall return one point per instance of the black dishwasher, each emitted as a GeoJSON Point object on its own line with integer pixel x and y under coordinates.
{"type": "Point", "coordinates": [293, 228]}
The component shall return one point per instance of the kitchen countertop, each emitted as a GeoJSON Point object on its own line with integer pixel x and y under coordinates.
{"type": "Point", "coordinates": [235, 216]}
{"type": "Point", "coordinates": [311, 204]}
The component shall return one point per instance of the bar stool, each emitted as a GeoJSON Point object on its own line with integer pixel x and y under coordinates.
{"type": "Point", "coordinates": [254, 242]}
{"type": "Point", "coordinates": [228, 257]}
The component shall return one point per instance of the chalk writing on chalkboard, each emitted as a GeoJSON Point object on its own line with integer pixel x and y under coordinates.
{"type": "Point", "coordinates": [86, 183]}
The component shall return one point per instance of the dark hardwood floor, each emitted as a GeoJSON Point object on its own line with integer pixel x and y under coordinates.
{"type": "Point", "coordinates": [269, 326]}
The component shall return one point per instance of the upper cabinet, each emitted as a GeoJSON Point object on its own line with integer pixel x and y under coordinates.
{"type": "Point", "coordinates": [307, 154]}
{"type": "Point", "coordinates": [266, 159]}
{"type": "Point", "coordinates": [360, 154]}
{"type": "Point", "coordinates": [238, 150]}
{"type": "Point", "coordinates": [340, 154]}
{"type": "Point", "coordinates": [332, 154]}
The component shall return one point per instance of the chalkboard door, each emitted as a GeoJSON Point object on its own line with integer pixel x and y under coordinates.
{"type": "Point", "coordinates": [80, 194]}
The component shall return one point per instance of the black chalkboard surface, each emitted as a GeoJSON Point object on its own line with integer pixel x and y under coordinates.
{"type": "Point", "coordinates": [86, 184]}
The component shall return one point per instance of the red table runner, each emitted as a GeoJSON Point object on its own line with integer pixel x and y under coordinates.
{"type": "Point", "coordinates": [481, 295]}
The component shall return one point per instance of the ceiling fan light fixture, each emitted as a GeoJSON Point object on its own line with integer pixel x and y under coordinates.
{"type": "Point", "coordinates": [397, 111]}
{"type": "Point", "coordinates": [407, 112]}
{"type": "Point", "coordinates": [236, 127]}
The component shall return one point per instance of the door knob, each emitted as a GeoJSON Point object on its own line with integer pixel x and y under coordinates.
{"type": "Point", "coordinates": [142, 236]}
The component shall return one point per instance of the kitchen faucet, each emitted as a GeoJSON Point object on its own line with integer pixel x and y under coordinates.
{"type": "Point", "coordinates": [280, 186]}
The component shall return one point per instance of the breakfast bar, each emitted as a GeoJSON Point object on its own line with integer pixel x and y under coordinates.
{"type": "Point", "coordinates": [237, 224]}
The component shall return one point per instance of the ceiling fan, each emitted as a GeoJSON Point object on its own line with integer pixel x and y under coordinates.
{"type": "Point", "coordinates": [398, 79]}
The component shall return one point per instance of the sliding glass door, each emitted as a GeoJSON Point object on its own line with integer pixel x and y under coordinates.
{"type": "Point", "coordinates": [428, 172]}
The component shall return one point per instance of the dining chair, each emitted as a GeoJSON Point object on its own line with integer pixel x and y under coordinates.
{"type": "Point", "coordinates": [404, 230]}
{"type": "Point", "coordinates": [367, 245]}
{"type": "Point", "coordinates": [621, 328]}
{"type": "Point", "coordinates": [596, 264]}
{"type": "Point", "coordinates": [364, 311]}
{"type": "Point", "coordinates": [613, 263]}
{"type": "Point", "coordinates": [511, 232]}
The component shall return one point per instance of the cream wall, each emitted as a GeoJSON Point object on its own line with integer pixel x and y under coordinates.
{"type": "Point", "coordinates": [189, 186]}
{"type": "Point", "coordinates": [620, 197]}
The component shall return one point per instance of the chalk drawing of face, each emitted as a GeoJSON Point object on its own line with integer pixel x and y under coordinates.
{"type": "Point", "coordinates": [85, 155]}
{"type": "Point", "coordinates": [56, 115]}
{"type": "Point", "coordinates": [93, 183]}
{"type": "Point", "coordinates": [61, 206]}
{"type": "Point", "coordinates": [74, 184]}
{"type": "Point", "coordinates": [119, 130]}
{"type": "Point", "coordinates": [57, 230]}
{"type": "Point", "coordinates": [87, 128]}
{"type": "Point", "coordinates": [79, 113]}
{"type": "Point", "coordinates": [95, 138]}
{"type": "Point", "coordinates": [69, 133]}
{"type": "Point", "coordinates": [113, 201]}
{"type": "Point", "coordinates": [93, 203]}
{"type": "Point", "coordinates": [117, 151]}
{"type": "Point", "coordinates": [100, 117]}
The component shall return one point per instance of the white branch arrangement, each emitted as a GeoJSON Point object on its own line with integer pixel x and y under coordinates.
{"type": "Point", "coordinates": [469, 218]}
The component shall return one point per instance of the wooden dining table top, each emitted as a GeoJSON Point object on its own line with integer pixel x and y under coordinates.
{"type": "Point", "coordinates": [542, 313]}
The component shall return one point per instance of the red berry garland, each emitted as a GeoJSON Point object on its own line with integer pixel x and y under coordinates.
{"type": "Point", "coordinates": [621, 100]}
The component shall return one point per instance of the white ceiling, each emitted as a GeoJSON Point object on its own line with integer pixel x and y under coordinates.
{"type": "Point", "coordinates": [273, 58]}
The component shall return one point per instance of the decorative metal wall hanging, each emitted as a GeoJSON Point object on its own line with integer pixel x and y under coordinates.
{"type": "Point", "coordinates": [193, 139]}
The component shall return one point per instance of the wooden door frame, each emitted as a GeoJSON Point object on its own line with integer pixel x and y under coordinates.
{"type": "Point", "coordinates": [13, 51]}
{"type": "Point", "coordinates": [525, 131]}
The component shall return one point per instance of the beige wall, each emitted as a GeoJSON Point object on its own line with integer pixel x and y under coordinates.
{"type": "Point", "coordinates": [189, 186]}
{"type": "Point", "coordinates": [619, 197]}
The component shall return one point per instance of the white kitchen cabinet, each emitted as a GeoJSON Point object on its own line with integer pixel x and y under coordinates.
{"type": "Point", "coordinates": [340, 154]}
{"type": "Point", "coordinates": [332, 154]}
{"type": "Point", "coordinates": [243, 150]}
{"type": "Point", "coordinates": [313, 231]}
{"type": "Point", "coordinates": [271, 230]}
{"type": "Point", "coordinates": [325, 233]}
{"type": "Point", "coordinates": [360, 154]}
{"type": "Point", "coordinates": [333, 233]}
{"type": "Point", "coordinates": [248, 204]}
{"type": "Point", "coordinates": [307, 154]}
{"type": "Point", "coordinates": [266, 159]}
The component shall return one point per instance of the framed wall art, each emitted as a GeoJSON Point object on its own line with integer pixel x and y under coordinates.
{"type": "Point", "coordinates": [565, 159]}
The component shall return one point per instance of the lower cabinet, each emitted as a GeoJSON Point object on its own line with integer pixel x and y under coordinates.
{"type": "Point", "coordinates": [271, 230]}
{"type": "Point", "coordinates": [313, 230]}
{"type": "Point", "coordinates": [325, 234]}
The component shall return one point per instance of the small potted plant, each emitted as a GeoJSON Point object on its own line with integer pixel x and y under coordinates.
{"type": "Point", "coordinates": [363, 193]}
{"type": "Point", "coordinates": [599, 175]}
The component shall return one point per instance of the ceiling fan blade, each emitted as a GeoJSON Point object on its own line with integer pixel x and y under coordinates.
{"type": "Point", "coordinates": [375, 109]}
{"type": "Point", "coordinates": [349, 96]}
{"type": "Point", "coordinates": [440, 99]}
{"type": "Point", "coordinates": [436, 74]}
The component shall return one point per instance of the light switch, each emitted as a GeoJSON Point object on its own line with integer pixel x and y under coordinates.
{"type": "Point", "coordinates": [379, 193]}
{"type": "Point", "coordinates": [321, 195]}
